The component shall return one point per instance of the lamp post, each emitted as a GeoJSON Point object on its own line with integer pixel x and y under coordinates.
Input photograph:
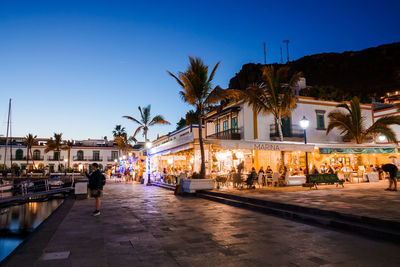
{"type": "Point", "coordinates": [304, 123]}
{"type": "Point", "coordinates": [148, 146]}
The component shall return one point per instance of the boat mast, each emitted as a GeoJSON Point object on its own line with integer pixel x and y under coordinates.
{"type": "Point", "coordinates": [8, 127]}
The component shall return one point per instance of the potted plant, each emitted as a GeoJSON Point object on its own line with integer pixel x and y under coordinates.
{"type": "Point", "coordinates": [196, 183]}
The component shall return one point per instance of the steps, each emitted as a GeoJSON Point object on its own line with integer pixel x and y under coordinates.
{"type": "Point", "coordinates": [361, 225]}
{"type": "Point", "coordinates": [165, 186]}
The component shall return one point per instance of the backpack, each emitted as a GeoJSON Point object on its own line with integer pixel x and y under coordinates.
{"type": "Point", "coordinates": [103, 179]}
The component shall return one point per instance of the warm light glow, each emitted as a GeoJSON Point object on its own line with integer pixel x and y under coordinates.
{"type": "Point", "coordinates": [239, 155]}
{"type": "Point", "coordinates": [148, 144]}
{"type": "Point", "coordinates": [304, 123]}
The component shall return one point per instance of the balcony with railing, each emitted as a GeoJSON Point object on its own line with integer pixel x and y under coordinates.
{"type": "Point", "coordinates": [112, 158]}
{"type": "Point", "coordinates": [294, 133]}
{"type": "Point", "coordinates": [52, 158]}
{"type": "Point", "coordinates": [230, 134]}
{"type": "Point", "coordinates": [80, 158]}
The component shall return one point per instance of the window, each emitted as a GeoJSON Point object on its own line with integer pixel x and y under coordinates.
{"type": "Point", "coordinates": [79, 155]}
{"type": "Point", "coordinates": [56, 155]}
{"type": "Point", "coordinates": [320, 119]}
{"type": "Point", "coordinates": [234, 123]}
{"type": "Point", "coordinates": [19, 154]}
{"type": "Point", "coordinates": [114, 155]}
{"type": "Point", "coordinates": [96, 155]}
{"type": "Point", "coordinates": [36, 155]}
{"type": "Point", "coordinates": [225, 125]}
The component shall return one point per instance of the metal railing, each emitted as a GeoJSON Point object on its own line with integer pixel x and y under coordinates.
{"type": "Point", "coordinates": [77, 158]}
{"type": "Point", "coordinates": [295, 132]}
{"type": "Point", "coordinates": [230, 134]}
{"type": "Point", "coordinates": [55, 158]}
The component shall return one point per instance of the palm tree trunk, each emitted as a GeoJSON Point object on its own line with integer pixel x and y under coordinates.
{"type": "Point", "coordinates": [203, 165]}
{"type": "Point", "coordinates": [27, 157]}
{"type": "Point", "coordinates": [33, 160]}
{"type": "Point", "coordinates": [279, 126]}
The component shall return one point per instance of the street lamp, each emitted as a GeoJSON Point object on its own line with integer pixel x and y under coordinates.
{"type": "Point", "coordinates": [304, 123]}
{"type": "Point", "coordinates": [382, 138]}
{"type": "Point", "coordinates": [148, 146]}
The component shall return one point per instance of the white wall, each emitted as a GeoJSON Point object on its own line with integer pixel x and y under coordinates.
{"type": "Point", "coordinates": [388, 112]}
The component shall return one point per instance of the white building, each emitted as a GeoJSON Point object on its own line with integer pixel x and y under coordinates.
{"type": "Point", "coordinates": [392, 111]}
{"type": "Point", "coordinates": [81, 155]}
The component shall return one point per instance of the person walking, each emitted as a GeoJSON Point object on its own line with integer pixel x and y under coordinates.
{"type": "Point", "coordinates": [392, 170]}
{"type": "Point", "coordinates": [96, 183]}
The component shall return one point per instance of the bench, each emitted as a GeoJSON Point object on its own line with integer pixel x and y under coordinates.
{"type": "Point", "coordinates": [315, 179]}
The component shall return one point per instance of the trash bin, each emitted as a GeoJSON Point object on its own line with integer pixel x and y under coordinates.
{"type": "Point", "coordinates": [81, 188]}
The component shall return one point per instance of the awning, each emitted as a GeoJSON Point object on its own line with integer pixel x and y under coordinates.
{"type": "Point", "coordinates": [174, 145]}
{"type": "Point", "coordinates": [266, 145]}
{"type": "Point", "coordinates": [356, 148]}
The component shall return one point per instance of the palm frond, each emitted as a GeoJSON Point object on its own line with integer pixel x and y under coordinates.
{"type": "Point", "coordinates": [132, 119]}
{"type": "Point", "coordinates": [158, 120]}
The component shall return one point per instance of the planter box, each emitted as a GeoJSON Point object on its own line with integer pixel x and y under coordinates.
{"type": "Point", "coordinates": [191, 185]}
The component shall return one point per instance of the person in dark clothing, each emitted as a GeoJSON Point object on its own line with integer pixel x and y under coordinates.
{"type": "Point", "coordinates": [392, 170]}
{"type": "Point", "coordinates": [96, 186]}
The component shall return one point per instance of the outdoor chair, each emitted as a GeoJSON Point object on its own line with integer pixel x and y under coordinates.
{"type": "Point", "coordinates": [275, 178]}
{"type": "Point", "coordinates": [237, 180]}
{"type": "Point", "coordinates": [261, 179]}
{"type": "Point", "coordinates": [220, 180]}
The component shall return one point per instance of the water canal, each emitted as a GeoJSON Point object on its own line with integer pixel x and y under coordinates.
{"type": "Point", "coordinates": [17, 222]}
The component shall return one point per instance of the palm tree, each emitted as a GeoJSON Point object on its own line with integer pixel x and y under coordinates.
{"type": "Point", "coordinates": [146, 121]}
{"type": "Point", "coordinates": [55, 144]}
{"type": "Point", "coordinates": [351, 123]}
{"type": "Point", "coordinates": [274, 96]}
{"type": "Point", "coordinates": [123, 142]}
{"type": "Point", "coordinates": [119, 133]}
{"type": "Point", "coordinates": [118, 130]}
{"type": "Point", "coordinates": [29, 141]}
{"type": "Point", "coordinates": [198, 92]}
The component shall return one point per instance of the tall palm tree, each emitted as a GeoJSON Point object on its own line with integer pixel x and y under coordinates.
{"type": "Point", "coordinates": [29, 141]}
{"type": "Point", "coordinates": [198, 92]}
{"type": "Point", "coordinates": [146, 121]}
{"type": "Point", "coordinates": [351, 123]}
{"type": "Point", "coordinates": [275, 95]}
{"type": "Point", "coordinates": [56, 145]}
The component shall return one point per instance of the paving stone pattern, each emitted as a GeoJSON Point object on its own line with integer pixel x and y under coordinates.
{"type": "Point", "coordinates": [364, 199]}
{"type": "Point", "coordinates": [149, 226]}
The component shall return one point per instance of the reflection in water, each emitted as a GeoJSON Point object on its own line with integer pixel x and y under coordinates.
{"type": "Point", "coordinates": [16, 222]}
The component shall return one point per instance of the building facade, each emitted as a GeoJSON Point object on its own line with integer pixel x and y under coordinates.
{"type": "Point", "coordinates": [80, 155]}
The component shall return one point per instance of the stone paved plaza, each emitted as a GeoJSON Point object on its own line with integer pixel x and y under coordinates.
{"type": "Point", "coordinates": [364, 199]}
{"type": "Point", "coordinates": [149, 226]}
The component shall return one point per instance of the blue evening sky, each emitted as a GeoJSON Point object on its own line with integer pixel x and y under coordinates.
{"type": "Point", "coordinates": [76, 67]}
